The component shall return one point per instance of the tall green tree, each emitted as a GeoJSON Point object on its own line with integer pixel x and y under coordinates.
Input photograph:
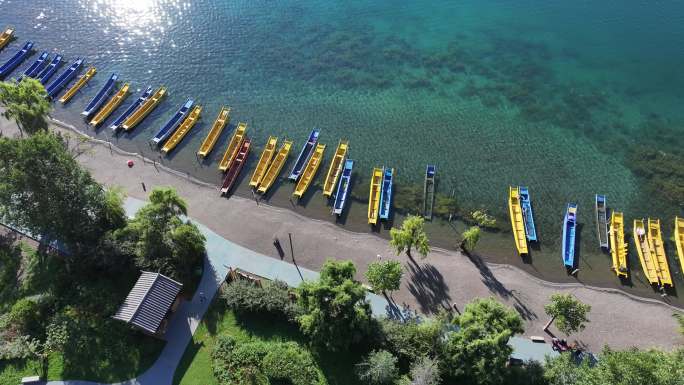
{"type": "Point", "coordinates": [567, 313]}
{"type": "Point", "coordinates": [477, 350]}
{"type": "Point", "coordinates": [25, 102]}
{"type": "Point", "coordinates": [45, 191]}
{"type": "Point", "coordinates": [161, 240]}
{"type": "Point", "coordinates": [335, 312]}
{"type": "Point", "coordinates": [411, 234]}
{"type": "Point", "coordinates": [384, 276]}
{"type": "Point", "coordinates": [470, 238]}
{"type": "Point", "coordinates": [379, 368]}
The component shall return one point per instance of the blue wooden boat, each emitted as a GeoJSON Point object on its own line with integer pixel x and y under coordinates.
{"type": "Point", "coordinates": [58, 84]}
{"type": "Point", "coordinates": [173, 123]}
{"type": "Point", "coordinates": [602, 221]}
{"type": "Point", "coordinates": [569, 230]}
{"type": "Point", "coordinates": [526, 205]}
{"type": "Point", "coordinates": [50, 69]}
{"type": "Point", "coordinates": [343, 187]}
{"type": "Point", "coordinates": [134, 106]}
{"type": "Point", "coordinates": [35, 68]}
{"type": "Point", "coordinates": [304, 155]}
{"type": "Point", "coordinates": [386, 192]}
{"type": "Point", "coordinates": [15, 60]}
{"type": "Point", "coordinates": [101, 96]}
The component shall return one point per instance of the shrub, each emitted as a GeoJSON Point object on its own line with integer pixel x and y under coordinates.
{"type": "Point", "coordinates": [272, 298]}
{"type": "Point", "coordinates": [411, 339]}
{"type": "Point", "coordinates": [379, 368]}
{"type": "Point", "coordinates": [483, 219]}
{"type": "Point", "coordinates": [25, 315]}
{"type": "Point", "coordinates": [289, 362]}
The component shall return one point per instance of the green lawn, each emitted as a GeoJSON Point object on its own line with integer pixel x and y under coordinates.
{"type": "Point", "coordinates": [195, 366]}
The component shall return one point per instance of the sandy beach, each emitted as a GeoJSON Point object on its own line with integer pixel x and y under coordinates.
{"type": "Point", "coordinates": [442, 280]}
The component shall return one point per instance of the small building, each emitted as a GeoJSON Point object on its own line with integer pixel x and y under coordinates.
{"type": "Point", "coordinates": [150, 303]}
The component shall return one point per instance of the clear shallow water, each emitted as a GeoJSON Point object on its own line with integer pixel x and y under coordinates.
{"type": "Point", "coordinates": [554, 95]}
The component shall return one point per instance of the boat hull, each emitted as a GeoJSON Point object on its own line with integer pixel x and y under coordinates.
{"type": "Point", "coordinates": [386, 193]}
{"type": "Point", "coordinates": [173, 123]}
{"type": "Point", "coordinates": [220, 123]}
{"type": "Point", "coordinates": [618, 246]}
{"type": "Point", "coordinates": [374, 196]}
{"type": "Point", "coordinates": [569, 233]}
{"type": "Point", "coordinates": [275, 168]}
{"type": "Point", "coordinates": [601, 221]}
{"type": "Point", "coordinates": [528, 215]}
{"type": "Point", "coordinates": [517, 221]}
{"type": "Point", "coordinates": [343, 187]}
{"type": "Point", "coordinates": [429, 191]}
{"type": "Point", "coordinates": [134, 106]}
{"type": "Point", "coordinates": [304, 155]}
{"type": "Point", "coordinates": [236, 167]}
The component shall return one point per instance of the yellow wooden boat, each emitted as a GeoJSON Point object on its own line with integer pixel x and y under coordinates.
{"type": "Point", "coordinates": [275, 167]}
{"type": "Point", "coordinates": [646, 257]}
{"type": "Point", "coordinates": [679, 239]}
{"type": "Point", "coordinates": [264, 161]}
{"type": "Point", "coordinates": [335, 168]}
{"type": "Point", "coordinates": [110, 106]}
{"type": "Point", "coordinates": [517, 224]}
{"type": "Point", "coordinates": [78, 85]}
{"type": "Point", "coordinates": [655, 241]}
{"type": "Point", "coordinates": [618, 247]}
{"type": "Point", "coordinates": [221, 121]}
{"type": "Point", "coordinates": [233, 146]}
{"type": "Point", "coordinates": [183, 129]}
{"type": "Point", "coordinates": [374, 196]}
{"type": "Point", "coordinates": [309, 171]}
{"type": "Point", "coordinates": [144, 110]}
{"type": "Point", "coordinates": [6, 36]}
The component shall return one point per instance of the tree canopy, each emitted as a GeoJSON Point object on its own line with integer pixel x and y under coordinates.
{"type": "Point", "coordinates": [384, 276]}
{"type": "Point", "coordinates": [379, 368]}
{"type": "Point", "coordinates": [25, 102]}
{"type": "Point", "coordinates": [470, 238]}
{"type": "Point", "coordinates": [568, 313]}
{"type": "Point", "coordinates": [335, 312]}
{"type": "Point", "coordinates": [411, 234]}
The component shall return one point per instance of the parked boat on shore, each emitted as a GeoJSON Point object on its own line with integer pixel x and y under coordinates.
{"type": "Point", "coordinates": [335, 169]}
{"type": "Point", "coordinates": [101, 96]}
{"type": "Point", "coordinates": [386, 192]}
{"type": "Point", "coordinates": [35, 68]}
{"type": "Point", "coordinates": [275, 167]}
{"type": "Point", "coordinates": [132, 108]}
{"type": "Point", "coordinates": [528, 216]}
{"type": "Point", "coordinates": [144, 109]}
{"type": "Point", "coordinates": [47, 72]}
{"type": "Point", "coordinates": [679, 240]}
{"type": "Point", "coordinates": [71, 92]}
{"type": "Point", "coordinates": [6, 37]}
{"type": "Point", "coordinates": [58, 84]}
{"type": "Point", "coordinates": [602, 221]}
{"type": "Point", "coordinates": [343, 187]}
{"type": "Point", "coordinates": [233, 147]}
{"type": "Point", "coordinates": [310, 170]}
{"type": "Point", "coordinates": [220, 123]}
{"type": "Point", "coordinates": [374, 196]}
{"type": "Point", "coordinates": [167, 129]}
{"type": "Point", "coordinates": [429, 191]}
{"type": "Point", "coordinates": [646, 257]}
{"type": "Point", "coordinates": [185, 127]}
{"type": "Point", "coordinates": [264, 161]}
{"type": "Point", "coordinates": [655, 241]}
{"type": "Point", "coordinates": [236, 166]}
{"type": "Point", "coordinates": [110, 106]}
{"type": "Point", "coordinates": [618, 246]}
{"type": "Point", "coordinates": [517, 221]}
{"type": "Point", "coordinates": [569, 233]}
{"type": "Point", "coordinates": [15, 60]}
{"type": "Point", "coordinates": [304, 155]}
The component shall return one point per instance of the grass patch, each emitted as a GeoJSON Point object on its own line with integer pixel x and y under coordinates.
{"type": "Point", "coordinates": [195, 366]}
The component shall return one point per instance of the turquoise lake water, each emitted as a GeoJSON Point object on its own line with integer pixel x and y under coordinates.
{"type": "Point", "coordinates": [569, 98]}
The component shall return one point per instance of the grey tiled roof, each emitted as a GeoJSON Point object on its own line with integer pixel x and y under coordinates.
{"type": "Point", "coordinates": [149, 301]}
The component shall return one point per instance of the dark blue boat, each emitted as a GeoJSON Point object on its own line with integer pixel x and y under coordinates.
{"type": "Point", "coordinates": [173, 123]}
{"type": "Point", "coordinates": [134, 106]}
{"type": "Point", "coordinates": [56, 86]}
{"type": "Point", "coordinates": [15, 60]}
{"type": "Point", "coordinates": [528, 216]}
{"type": "Point", "coordinates": [304, 155]}
{"type": "Point", "coordinates": [35, 68]}
{"type": "Point", "coordinates": [569, 230]}
{"type": "Point", "coordinates": [101, 96]}
{"type": "Point", "coordinates": [386, 193]}
{"type": "Point", "coordinates": [343, 187]}
{"type": "Point", "coordinates": [50, 70]}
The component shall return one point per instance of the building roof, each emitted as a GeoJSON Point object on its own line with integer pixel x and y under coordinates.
{"type": "Point", "coordinates": [149, 301]}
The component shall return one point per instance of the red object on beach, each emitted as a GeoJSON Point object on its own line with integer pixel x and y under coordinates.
{"type": "Point", "coordinates": [130, 163]}
{"type": "Point", "coordinates": [234, 170]}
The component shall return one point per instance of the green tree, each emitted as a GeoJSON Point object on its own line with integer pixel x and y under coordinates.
{"type": "Point", "coordinates": [379, 368]}
{"type": "Point", "coordinates": [680, 320]}
{"type": "Point", "coordinates": [411, 339]}
{"type": "Point", "coordinates": [470, 238]}
{"type": "Point", "coordinates": [412, 233]}
{"type": "Point", "coordinates": [567, 312]}
{"type": "Point", "coordinates": [160, 240]}
{"type": "Point", "coordinates": [335, 311]}
{"type": "Point", "coordinates": [384, 276]}
{"type": "Point", "coordinates": [477, 351]}
{"type": "Point", "coordinates": [425, 371]}
{"type": "Point", "coordinates": [25, 102]}
{"type": "Point", "coordinates": [45, 191]}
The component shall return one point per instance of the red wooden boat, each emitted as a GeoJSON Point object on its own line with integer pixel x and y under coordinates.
{"type": "Point", "coordinates": [236, 167]}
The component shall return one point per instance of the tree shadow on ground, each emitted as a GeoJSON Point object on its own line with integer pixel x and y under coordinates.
{"type": "Point", "coordinates": [427, 285]}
